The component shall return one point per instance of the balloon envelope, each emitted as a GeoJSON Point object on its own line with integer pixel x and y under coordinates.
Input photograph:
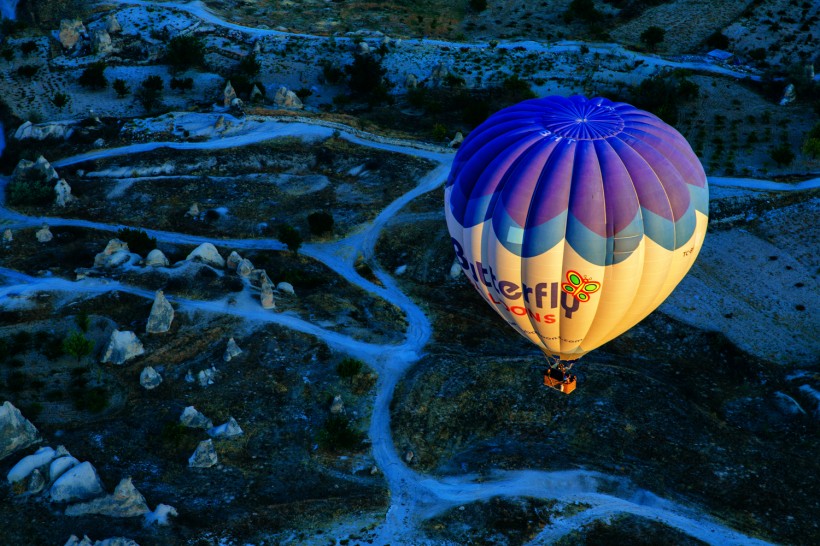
{"type": "Point", "coordinates": [575, 218]}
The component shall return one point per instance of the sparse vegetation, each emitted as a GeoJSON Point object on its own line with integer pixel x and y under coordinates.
{"type": "Point", "coordinates": [78, 346]}
{"type": "Point", "coordinates": [30, 188]}
{"type": "Point", "coordinates": [121, 87]}
{"type": "Point", "coordinates": [349, 367]}
{"type": "Point", "coordinates": [337, 434]}
{"type": "Point", "coordinates": [184, 52]}
{"type": "Point", "coordinates": [59, 99]}
{"type": "Point", "coordinates": [93, 77]}
{"type": "Point", "coordinates": [138, 241]}
{"type": "Point", "coordinates": [149, 93]}
{"type": "Point", "coordinates": [652, 36]}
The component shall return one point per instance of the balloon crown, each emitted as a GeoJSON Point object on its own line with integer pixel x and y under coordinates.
{"type": "Point", "coordinates": [579, 118]}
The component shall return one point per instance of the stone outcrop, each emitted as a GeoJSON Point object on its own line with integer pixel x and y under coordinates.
{"type": "Point", "coordinates": [7, 235]}
{"type": "Point", "coordinates": [149, 378]}
{"type": "Point", "coordinates": [457, 140]}
{"type": "Point", "coordinates": [266, 296]}
{"type": "Point", "coordinates": [63, 191]}
{"type": "Point", "coordinates": [162, 314]}
{"type": "Point", "coordinates": [101, 42]}
{"type": "Point", "coordinates": [411, 81]}
{"type": "Point", "coordinates": [207, 254]}
{"type": "Point", "coordinates": [256, 94]}
{"type": "Point", "coordinates": [193, 210]}
{"type": "Point", "coordinates": [42, 169]}
{"type": "Point", "coordinates": [228, 94]}
{"type": "Point", "coordinates": [285, 98]}
{"type": "Point", "coordinates": [455, 270]}
{"type": "Point", "coordinates": [112, 25]}
{"type": "Point", "coordinates": [71, 32]}
{"type": "Point", "coordinates": [122, 346]}
{"type": "Point", "coordinates": [156, 258]}
{"type": "Point", "coordinates": [124, 502]}
{"type": "Point", "coordinates": [231, 350]}
{"type": "Point", "coordinates": [789, 95]}
{"type": "Point", "coordinates": [285, 287]}
{"type": "Point", "coordinates": [338, 405]}
{"type": "Point", "coordinates": [30, 463]}
{"type": "Point", "coordinates": [230, 429]}
{"type": "Point", "coordinates": [192, 418]}
{"type": "Point", "coordinates": [440, 72]}
{"type": "Point", "coordinates": [115, 254]}
{"type": "Point", "coordinates": [16, 432]}
{"type": "Point", "coordinates": [204, 456]}
{"type": "Point", "coordinates": [41, 131]}
{"type": "Point", "coordinates": [160, 515]}
{"type": "Point", "coordinates": [245, 268]}
{"type": "Point", "coordinates": [44, 234]}
{"type": "Point", "coordinates": [77, 484]}
{"type": "Point", "coordinates": [233, 260]}
{"type": "Point", "coordinates": [60, 465]}
{"type": "Point", "coordinates": [206, 377]}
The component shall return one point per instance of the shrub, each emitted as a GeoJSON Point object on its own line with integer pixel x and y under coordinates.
{"type": "Point", "coordinates": [120, 87]}
{"type": "Point", "coordinates": [82, 320]}
{"type": "Point", "coordinates": [782, 154]}
{"type": "Point", "coordinates": [27, 70]}
{"type": "Point", "coordinates": [717, 40]}
{"type": "Point", "coordinates": [59, 99]}
{"type": "Point", "coordinates": [652, 36]}
{"type": "Point", "coordinates": [366, 78]}
{"type": "Point", "coordinates": [582, 9]}
{"type": "Point", "coordinates": [811, 146]}
{"type": "Point", "coordinates": [349, 367]}
{"type": "Point", "coordinates": [78, 346]}
{"type": "Point", "coordinates": [94, 399]}
{"type": "Point", "coordinates": [28, 47]}
{"type": "Point", "coordinates": [153, 82]}
{"type": "Point", "coordinates": [184, 52]}
{"type": "Point", "coordinates": [290, 236]}
{"type": "Point", "coordinates": [93, 77]}
{"type": "Point", "coordinates": [439, 132]}
{"type": "Point", "coordinates": [149, 93]}
{"type": "Point", "coordinates": [320, 222]}
{"type": "Point", "coordinates": [31, 188]}
{"type": "Point", "coordinates": [138, 241]}
{"type": "Point", "coordinates": [184, 84]}
{"type": "Point", "coordinates": [249, 66]}
{"type": "Point", "coordinates": [331, 73]}
{"type": "Point", "coordinates": [337, 434]}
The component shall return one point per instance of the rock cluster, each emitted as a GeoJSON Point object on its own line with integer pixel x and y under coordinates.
{"type": "Point", "coordinates": [74, 540]}
{"type": "Point", "coordinates": [162, 314]}
{"type": "Point", "coordinates": [63, 191]}
{"type": "Point", "coordinates": [42, 131]}
{"type": "Point", "coordinates": [121, 347]}
{"type": "Point", "coordinates": [71, 32]}
{"type": "Point", "coordinates": [192, 418]}
{"type": "Point", "coordinates": [285, 98]}
{"type": "Point", "coordinates": [115, 254]}
{"type": "Point", "coordinates": [101, 42]}
{"type": "Point", "coordinates": [124, 502]}
{"type": "Point", "coordinates": [231, 350]}
{"type": "Point", "coordinates": [207, 254]}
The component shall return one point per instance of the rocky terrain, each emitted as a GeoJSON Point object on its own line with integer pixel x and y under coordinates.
{"type": "Point", "coordinates": [228, 312]}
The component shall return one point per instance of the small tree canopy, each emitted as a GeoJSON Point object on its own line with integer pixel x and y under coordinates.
{"type": "Point", "coordinates": [652, 36]}
{"type": "Point", "coordinates": [184, 52]}
{"type": "Point", "coordinates": [93, 77]}
{"type": "Point", "coordinates": [77, 345]}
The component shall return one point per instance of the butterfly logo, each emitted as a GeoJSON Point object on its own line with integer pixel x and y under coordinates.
{"type": "Point", "coordinates": [579, 286]}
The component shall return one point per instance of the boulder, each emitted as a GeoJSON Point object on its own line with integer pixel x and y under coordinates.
{"type": "Point", "coordinates": [228, 94]}
{"type": "Point", "coordinates": [338, 405]}
{"type": "Point", "coordinates": [789, 95]}
{"type": "Point", "coordinates": [192, 418]}
{"type": "Point", "coordinates": [285, 287]}
{"type": "Point", "coordinates": [204, 456]}
{"type": "Point", "coordinates": [112, 25]}
{"type": "Point", "coordinates": [41, 131]}
{"type": "Point", "coordinates": [36, 483]}
{"type": "Point", "coordinates": [237, 106]}
{"type": "Point", "coordinates": [193, 210]}
{"type": "Point", "coordinates": [244, 268]}
{"type": "Point", "coordinates": [7, 235]}
{"type": "Point", "coordinates": [206, 377]}
{"type": "Point", "coordinates": [42, 168]}
{"type": "Point", "coordinates": [63, 191]}
{"type": "Point", "coordinates": [124, 502]}
{"type": "Point", "coordinates": [115, 254]}
{"type": "Point", "coordinates": [285, 98]}
{"type": "Point", "coordinates": [101, 41]}
{"type": "Point", "coordinates": [457, 140]}
{"type": "Point", "coordinates": [59, 466]}
{"type": "Point", "coordinates": [160, 515]}
{"type": "Point", "coordinates": [71, 32]}
{"type": "Point", "coordinates": [231, 350]}
{"type": "Point", "coordinates": [122, 346]}
{"type": "Point", "coordinates": [30, 463]}
{"type": "Point", "coordinates": [440, 72]}
{"type": "Point", "coordinates": [455, 270]}
{"type": "Point", "coordinates": [233, 260]}
{"type": "Point", "coordinates": [230, 429]}
{"type": "Point", "coordinates": [162, 314]}
{"type": "Point", "coordinates": [259, 277]}
{"type": "Point", "coordinates": [207, 254]}
{"type": "Point", "coordinates": [411, 81]}
{"type": "Point", "coordinates": [16, 432]}
{"type": "Point", "coordinates": [77, 484]}
{"type": "Point", "coordinates": [44, 234]}
{"type": "Point", "coordinates": [156, 258]}
{"type": "Point", "coordinates": [401, 270]}
{"type": "Point", "coordinates": [266, 296]}
{"type": "Point", "coordinates": [363, 48]}
{"type": "Point", "coordinates": [149, 378]}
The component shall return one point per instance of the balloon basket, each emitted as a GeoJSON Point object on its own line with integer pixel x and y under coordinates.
{"type": "Point", "coordinates": [554, 379]}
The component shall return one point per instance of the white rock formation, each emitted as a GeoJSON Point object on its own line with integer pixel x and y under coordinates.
{"type": "Point", "coordinates": [285, 98]}
{"type": "Point", "coordinates": [411, 81]}
{"type": "Point", "coordinates": [162, 314]}
{"type": "Point", "coordinates": [457, 140]}
{"type": "Point", "coordinates": [42, 167]}
{"type": "Point", "coordinates": [59, 466]}
{"type": "Point", "coordinates": [455, 270]}
{"type": "Point", "coordinates": [207, 254]}
{"type": "Point", "coordinates": [16, 432]}
{"type": "Point", "coordinates": [192, 418]}
{"type": "Point", "coordinates": [112, 25]}
{"type": "Point", "coordinates": [149, 378]}
{"type": "Point", "coordinates": [71, 32]}
{"type": "Point", "coordinates": [228, 94]}
{"type": "Point", "coordinates": [338, 405]}
{"type": "Point", "coordinates": [101, 41]}
{"type": "Point", "coordinates": [266, 296]}
{"type": "Point", "coordinates": [156, 258]}
{"type": "Point", "coordinates": [44, 234]}
{"type": "Point", "coordinates": [233, 260]}
{"type": "Point", "coordinates": [206, 377]}
{"type": "Point", "coordinates": [41, 131]}
{"type": "Point", "coordinates": [789, 95]}
{"type": "Point", "coordinates": [125, 502]}
{"type": "Point", "coordinates": [245, 268]}
{"type": "Point", "coordinates": [115, 254]}
{"type": "Point", "coordinates": [160, 515]}
{"type": "Point", "coordinates": [226, 430]}
{"type": "Point", "coordinates": [7, 236]}
{"type": "Point", "coordinates": [204, 456]}
{"type": "Point", "coordinates": [122, 346]}
{"type": "Point", "coordinates": [36, 482]}
{"type": "Point", "coordinates": [63, 191]}
{"type": "Point", "coordinates": [401, 270]}
{"type": "Point", "coordinates": [285, 287]}
{"type": "Point", "coordinates": [193, 211]}
{"type": "Point", "coordinates": [77, 484]}
{"type": "Point", "coordinates": [256, 94]}
{"type": "Point", "coordinates": [30, 463]}
{"type": "Point", "coordinates": [231, 350]}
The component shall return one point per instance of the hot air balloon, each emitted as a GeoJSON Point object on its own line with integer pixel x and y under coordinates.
{"type": "Point", "coordinates": [574, 219]}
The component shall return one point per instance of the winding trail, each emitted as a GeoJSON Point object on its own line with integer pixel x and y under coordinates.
{"type": "Point", "coordinates": [414, 496]}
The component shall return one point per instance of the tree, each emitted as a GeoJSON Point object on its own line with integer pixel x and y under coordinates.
{"type": "Point", "coordinates": [349, 367]}
{"type": "Point", "coordinates": [121, 87]}
{"type": "Point", "coordinates": [182, 84]}
{"type": "Point", "coordinates": [184, 52]}
{"type": "Point", "coordinates": [320, 222]}
{"type": "Point", "coordinates": [811, 146]}
{"type": "Point", "coordinates": [782, 154]}
{"type": "Point", "coordinates": [59, 99]}
{"type": "Point", "coordinates": [652, 36]}
{"type": "Point", "coordinates": [93, 77]}
{"type": "Point", "coordinates": [717, 40]}
{"type": "Point", "coordinates": [288, 235]}
{"type": "Point", "coordinates": [149, 93]}
{"type": "Point", "coordinates": [78, 346]}
{"type": "Point", "coordinates": [366, 78]}
{"type": "Point", "coordinates": [249, 66]}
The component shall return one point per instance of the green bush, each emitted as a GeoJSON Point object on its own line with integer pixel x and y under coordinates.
{"type": "Point", "coordinates": [782, 154]}
{"type": "Point", "coordinates": [249, 66]}
{"type": "Point", "coordinates": [120, 87]}
{"type": "Point", "coordinates": [366, 78]}
{"type": "Point", "coordinates": [182, 84]}
{"type": "Point", "coordinates": [93, 77]}
{"type": "Point", "coordinates": [320, 222]}
{"type": "Point", "coordinates": [59, 99]}
{"type": "Point", "coordinates": [82, 320]}
{"type": "Point", "coordinates": [184, 52]}
{"type": "Point", "coordinates": [439, 132]}
{"type": "Point", "coordinates": [652, 36]}
{"type": "Point", "coordinates": [28, 47]}
{"type": "Point", "coordinates": [349, 367]}
{"type": "Point", "coordinates": [94, 399]}
{"type": "Point", "coordinates": [338, 435]}
{"type": "Point", "coordinates": [138, 241]}
{"type": "Point", "coordinates": [77, 345]}
{"type": "Point", "coordinates": [811, 146]}
{"type": "Point", "coordinates": [290, 236]}
{"type": "Point", "coordinates": [30, 188]}
{"type": "Point", "coordinates": [149, 94]}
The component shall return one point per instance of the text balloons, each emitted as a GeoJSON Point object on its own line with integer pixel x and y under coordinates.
{"type": "Point", "coordinates": [575, 218]}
